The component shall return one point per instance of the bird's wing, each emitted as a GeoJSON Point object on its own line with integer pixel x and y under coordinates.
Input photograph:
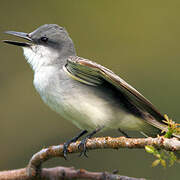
{"type": "Point", "coordinates": [94, 74]}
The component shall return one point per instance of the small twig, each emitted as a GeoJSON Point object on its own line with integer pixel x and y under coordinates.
{"type": "Point", "coordinates": [62, 173]}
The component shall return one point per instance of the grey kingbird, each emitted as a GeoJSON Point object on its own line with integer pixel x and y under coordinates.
{"type": "Point", "coordinates": [82, 91]}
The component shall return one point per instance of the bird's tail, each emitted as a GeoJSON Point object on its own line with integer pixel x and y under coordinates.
{"type": "Point", "coordinates": [166, 126]}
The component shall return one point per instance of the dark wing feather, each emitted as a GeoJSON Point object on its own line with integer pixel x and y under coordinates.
{"type": "Point", "coordinates": [94, 74]}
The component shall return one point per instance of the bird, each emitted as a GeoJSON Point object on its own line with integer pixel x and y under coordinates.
{"type": "Point", "coordinates": [82, 91]}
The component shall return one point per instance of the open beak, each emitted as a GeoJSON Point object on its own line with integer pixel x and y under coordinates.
{"type": "Point", "coordinates": [21, 35]}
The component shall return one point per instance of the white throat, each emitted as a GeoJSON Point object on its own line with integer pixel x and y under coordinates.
{"type": "Point", "coordinates": [38, 56]}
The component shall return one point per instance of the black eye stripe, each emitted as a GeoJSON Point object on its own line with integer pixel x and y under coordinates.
{"type": "Point", "coordinates": [44, 39]}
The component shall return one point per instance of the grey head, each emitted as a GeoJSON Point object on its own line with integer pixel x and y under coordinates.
{"type": "Point", "coordinates": [49, 44]}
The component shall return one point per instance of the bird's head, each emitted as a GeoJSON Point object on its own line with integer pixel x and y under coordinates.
{"type": "Point", "coordinates": [47, 45]}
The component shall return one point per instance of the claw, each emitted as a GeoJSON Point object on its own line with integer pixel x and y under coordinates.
{"type": "Point", "coordinates": [83, 153]}
{"type": "Point", "coordinates": [82, 146]}
{"type": "Point", "coordinates": [65, 150]}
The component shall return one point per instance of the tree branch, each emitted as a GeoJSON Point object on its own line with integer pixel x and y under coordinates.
{"type": "Point", "coordinates": [63, 173]}
{"type": "Point", "coordinates": [34, 167]}
{"type": "Point", "coordinates": [101, 143]}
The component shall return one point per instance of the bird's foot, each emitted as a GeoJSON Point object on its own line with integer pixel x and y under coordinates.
{"type": "Point", "coordinates": [65, 149]}
{"type": "Point", "coordinates": [83, 148]}
{"type": "Point", "coordinates": [66, 145]}
{"type": "Point", "coordinates": [82, 145]}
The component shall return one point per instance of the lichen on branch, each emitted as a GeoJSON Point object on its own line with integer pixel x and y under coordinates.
{"type": "Point", "coordinates": [159, 142]}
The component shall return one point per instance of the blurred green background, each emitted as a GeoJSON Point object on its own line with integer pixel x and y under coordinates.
{"type": "Point", "coordinates": [139, 40]}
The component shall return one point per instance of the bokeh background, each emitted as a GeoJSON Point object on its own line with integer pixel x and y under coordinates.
{"type": "Point", "coordinates": [139, 40]}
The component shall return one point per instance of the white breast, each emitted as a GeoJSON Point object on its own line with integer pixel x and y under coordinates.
{"type": "Point", "coordinates": [38, 56]}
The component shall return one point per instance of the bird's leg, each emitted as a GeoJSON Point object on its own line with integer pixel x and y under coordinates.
{"type": "Point", "coordinates": [83, 142]}
{"type": "Point", "coordinates": [74, 139]}
{"type": "Point", "coordinates": [123, 133]}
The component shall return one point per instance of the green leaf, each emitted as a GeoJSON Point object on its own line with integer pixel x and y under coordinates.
{"type": "Point", "coordinates": [150, 149]}
{"type": "Point", "coordinates": [156, 162]}
{"type": "Point", "coordinates": [163, 162]}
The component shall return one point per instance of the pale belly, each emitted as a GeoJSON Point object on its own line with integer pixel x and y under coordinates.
{"type": "Point", "coordinates": [90, 112]}
{"type": "Point", "coordinates": [86, 106]}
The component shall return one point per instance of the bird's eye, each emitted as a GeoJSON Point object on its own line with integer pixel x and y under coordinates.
{"type": "Point", "coordinates": [44, 39]}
